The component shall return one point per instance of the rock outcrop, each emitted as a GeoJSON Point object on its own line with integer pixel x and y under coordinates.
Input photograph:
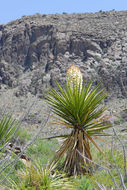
{"type": "Point", "coordinates": [36, 50]}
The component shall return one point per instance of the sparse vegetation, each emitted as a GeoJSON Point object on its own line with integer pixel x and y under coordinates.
{"type": "Point", "coordinates": [42, 150]}
{"type": "Point", "coordinates": [43, 154]}
{"type": "Point", "coordinates": [43, 178]}
{"type": "Point", "coordinates": [106, 171]}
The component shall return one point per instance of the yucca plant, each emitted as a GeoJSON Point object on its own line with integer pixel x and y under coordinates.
{"type": "Point", "coordinates": [8, 127]}
{"type": "Point", "coordinates": [78, 107]}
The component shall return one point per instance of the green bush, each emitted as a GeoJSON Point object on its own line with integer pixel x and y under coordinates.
{"type": "Point", "coordinates": [84, 184]}
{"type": "Point", "coordinates": [24, 136]}
{"type": "Point", "coordinates": [102, 176]}
{"type": "Point", "coordinates": [42, 150]}
{"type": "Point", "coordinates": [13, 175]}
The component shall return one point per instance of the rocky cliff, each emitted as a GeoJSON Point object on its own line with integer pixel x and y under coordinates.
{"type": "Point", "coordinates": [36, 50]}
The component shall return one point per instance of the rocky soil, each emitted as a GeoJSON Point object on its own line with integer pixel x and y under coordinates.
{"type": "Point", "coordinates": [37, 112]}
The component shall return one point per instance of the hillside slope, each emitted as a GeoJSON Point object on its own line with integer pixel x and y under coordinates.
{"type": "Point", "coordinates": [36, 50]}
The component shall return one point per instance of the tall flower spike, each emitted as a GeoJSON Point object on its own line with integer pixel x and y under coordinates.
{"type": "Point", "coordinates": [74, 77]}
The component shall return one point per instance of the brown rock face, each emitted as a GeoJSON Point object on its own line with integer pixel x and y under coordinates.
{"type": "Point", "coordinates": [36, 50]}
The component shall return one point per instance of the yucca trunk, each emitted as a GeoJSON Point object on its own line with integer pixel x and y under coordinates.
{"type": "Point", "coordinates": [74, 163]}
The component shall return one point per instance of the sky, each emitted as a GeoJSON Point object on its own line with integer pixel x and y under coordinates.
{"type": "Point", "coordinates": [15, 9]}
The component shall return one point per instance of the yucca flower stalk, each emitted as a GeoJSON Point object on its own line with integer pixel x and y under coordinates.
{"type": "Point", "coordinates": [79, 108]}
{"type": "Point", "coordinates": [74, 77]}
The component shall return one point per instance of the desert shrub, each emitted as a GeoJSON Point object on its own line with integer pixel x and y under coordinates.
{"type": "Point", "coordinates": [13, 175]}
{"type": "Point", "coordinates": [113, 161]}
{"type": "Point", "coordinates": [24, 135]}
{"type": "Point", "coordinates": [103, 177]}
{"type": "Point", "coordinates": [84, 183]}
{"type": "Point", "coordinates": [40, 178]}
{"type": "Point", "coordinates": [42, 150]}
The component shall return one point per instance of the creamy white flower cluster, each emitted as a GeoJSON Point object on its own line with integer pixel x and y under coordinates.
{"type": "Point", "coordinates": [74, 77]}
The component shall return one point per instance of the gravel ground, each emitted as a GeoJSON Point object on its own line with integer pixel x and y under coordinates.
{"type": "Point", "coordinates": [39, 112]}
